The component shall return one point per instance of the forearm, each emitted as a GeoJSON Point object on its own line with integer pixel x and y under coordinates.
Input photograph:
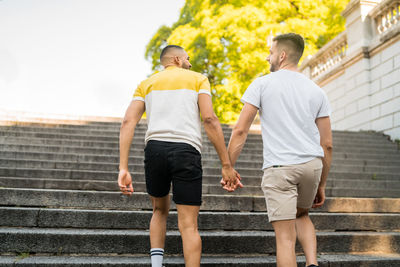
{"type": "Point", "coordinates": [125, 140]}
{"type": "Point", "coordinates": [216, 136]}
{"type": "Point", "coordinates": [238, 139]}
{"type": "Point", "coordinates": [326, 162]}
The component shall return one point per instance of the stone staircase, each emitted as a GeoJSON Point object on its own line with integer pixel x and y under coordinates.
{"type": "Point", "coordinates": [60, 205]}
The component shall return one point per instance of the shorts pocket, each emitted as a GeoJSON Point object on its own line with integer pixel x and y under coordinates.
{"type": "Point", "coordinates": [186, 165]}
{"type": "Point", "coordinates": [275, 178]}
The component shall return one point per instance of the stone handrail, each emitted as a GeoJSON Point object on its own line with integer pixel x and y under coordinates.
{"type": "Point", "coordinates": [386, 15]}
{"type": "Point", "coordinates": [327, 57]}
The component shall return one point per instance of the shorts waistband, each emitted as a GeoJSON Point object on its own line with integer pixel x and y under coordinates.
{"type": "Point", "coordinates": [170, 144]}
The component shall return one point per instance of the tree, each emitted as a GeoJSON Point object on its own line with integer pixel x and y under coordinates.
{"type": "Point", "coordinates": [227, 40]}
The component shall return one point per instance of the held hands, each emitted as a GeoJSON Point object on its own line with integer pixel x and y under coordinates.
{"type": "Point", "coordinates": [319, 198]}
{"type": "Point", "coordinates": [230, 179]}
{"type": "Point", "coordinates": [125, 182]}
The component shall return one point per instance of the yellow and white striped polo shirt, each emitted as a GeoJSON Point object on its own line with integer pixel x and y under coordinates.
{"type": "Point", "coordinates": [171, 99]}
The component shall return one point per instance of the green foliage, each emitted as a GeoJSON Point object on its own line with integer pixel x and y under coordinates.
{"type": "Point", "coordinates": [22, 255]}
{"type": "Point", "coordinates": [227, 39]}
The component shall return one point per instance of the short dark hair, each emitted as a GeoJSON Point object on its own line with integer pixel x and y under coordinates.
{"type": "Point", "coordinates": [167, 48]}
{"type": "Point", "coordinates": [294, 42]}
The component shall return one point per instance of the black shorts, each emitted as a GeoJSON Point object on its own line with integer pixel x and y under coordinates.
{"type": "Point", "coordinates": [179, 163]}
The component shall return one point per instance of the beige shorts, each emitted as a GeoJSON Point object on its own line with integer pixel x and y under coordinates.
{"type": "Point", "coordinates": [290, 186]}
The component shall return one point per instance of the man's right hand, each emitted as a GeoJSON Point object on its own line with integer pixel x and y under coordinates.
{"type": "Point", "coordinates": [319, 198]}
{"type": "Point", "coordinates": [125, 182]}
{"type": "Point", "coordinates": [230, 179]}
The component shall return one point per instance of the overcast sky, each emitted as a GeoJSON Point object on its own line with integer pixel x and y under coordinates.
{"type": "Point", "coordinates": [77, 57]}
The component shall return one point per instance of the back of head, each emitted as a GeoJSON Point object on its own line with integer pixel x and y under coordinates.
{"type": "Point", "coordinates": [168, 51]}
{"type": "Point", "coordinates": [293, 44]}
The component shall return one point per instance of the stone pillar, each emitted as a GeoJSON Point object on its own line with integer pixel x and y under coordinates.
{"type": "Point", "coordinates": [359, 26]}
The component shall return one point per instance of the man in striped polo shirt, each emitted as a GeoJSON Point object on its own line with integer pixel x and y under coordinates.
{"type": "Point", "coordinates": [173, 100]}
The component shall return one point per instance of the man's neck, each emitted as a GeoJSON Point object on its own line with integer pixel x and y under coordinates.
{"type": "Point", "coordinates": [170, 65]}
{"type": "Point", "coordinates": [289, 66]}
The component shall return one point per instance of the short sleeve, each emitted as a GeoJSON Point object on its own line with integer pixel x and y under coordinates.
{"type": "Point", "coordinates": [139, 93]}
{"type": "Point", "coordinates": [325, 109]}
{"type": "Point", "coordinates": [253, 94]}
{"type": "Point", "coordinates": [204, 86]}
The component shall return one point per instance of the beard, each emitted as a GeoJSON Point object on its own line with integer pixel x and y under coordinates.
{"type": "Point", "coordinates": [273, 67]}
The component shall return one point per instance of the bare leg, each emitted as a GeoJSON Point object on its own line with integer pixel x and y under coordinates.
{"type": "Point", "coordinates": [187, 223]}
{"type": "Point", "coordinates": [306, 235]}
{"type": "Point", "coordinates": [285, 232]}
{"type": "Point", "coordinates": [158, 223]}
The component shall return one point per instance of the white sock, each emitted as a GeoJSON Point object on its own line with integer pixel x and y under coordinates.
{"type": "Point", "coordinates": [157, 255]}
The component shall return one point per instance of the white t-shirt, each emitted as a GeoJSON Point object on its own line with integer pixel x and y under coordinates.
{"type": "Point", "coordinates": [289, 103]}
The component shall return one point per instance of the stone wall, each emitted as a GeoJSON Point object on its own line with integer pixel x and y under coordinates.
{"type": "Point", "coordinates": [360, 69]}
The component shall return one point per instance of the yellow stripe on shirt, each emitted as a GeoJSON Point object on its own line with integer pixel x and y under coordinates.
{"type": "Point", "coordinates": [173, 78]}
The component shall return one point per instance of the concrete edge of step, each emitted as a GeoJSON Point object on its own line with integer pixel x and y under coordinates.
{"type": "Point", "coordinates": [213, 202]}
{"type": "Point", "coordinates": [331, 260]}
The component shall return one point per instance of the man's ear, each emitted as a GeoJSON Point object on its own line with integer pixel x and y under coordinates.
{"type": "Point", "coordinates": [282, 56]}
{"type": "Point", "coordinates": [177, 60]}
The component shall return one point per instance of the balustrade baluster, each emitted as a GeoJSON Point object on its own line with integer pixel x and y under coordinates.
{"type": "Point", "coordinates": [392, 18]}
{"type": "Point", "coordinates": [387, 19]}
{"type": "Point", "coordinates": [379, 22]}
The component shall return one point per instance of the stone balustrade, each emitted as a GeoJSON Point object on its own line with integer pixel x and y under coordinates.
{"type": "Point", "coordinates": [386, 20]}
{"type": "Point", "coordinates": [327, 57]}
{"type": "Point", "coordinates": [360, 69]}
{"type": "Point", "coordinates": [386, 15]}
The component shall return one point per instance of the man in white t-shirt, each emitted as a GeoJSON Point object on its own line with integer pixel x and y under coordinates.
{"type": "Point", "coordinates": [297, 146]}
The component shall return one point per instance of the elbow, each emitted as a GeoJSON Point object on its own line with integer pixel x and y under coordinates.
{"type": "Point", "coordinates": [328, 146]}
{"type": "Point", "coordinates": [239, 132]}
{"type": "Point", "coordinates": [125, 123]}
{"type": "Point", "coordinates": [210, 120]}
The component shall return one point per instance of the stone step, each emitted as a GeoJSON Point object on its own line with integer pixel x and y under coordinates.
{"type": "Point", "coordinates": [105, 169]}
{"type": "Point", "coordinates": [48, 122]}
{"type": "Point", "coordinates": [229, 221]}
{"type": "Point", "coordinates": [102, 136]}
{"type": "Point", "coordinates": [101, 185]}
{"type": "Point", "coordinates": [109, 140]}
{"type": "Point", "coordinates": [209, 166]}
{"type": "Point", "coordinates": [376, 189]}
{"type": "Point", "coordinates": [84, 154]}
{"type": "Point", "coordinates": [257, 148]}
{"type": "Point", "coordinates": [139, 134]}
{"type": "Point", "coordinates": [106, 166]}
{"type": "Point", "coordinates": [362, 192]}
{"type": "Point", "coordinates": [139, 143]}
{"type": "Point", "coordinates": [111, 124]}
{"type": "Point", "coordinates": [362, 141]}
{"type": "Point", "coordinates": [115, 200]}
{"type": "Point", "coordinates": [254, 159]}
{"type": "Point", "coordinates": [97, 241]}
{"type": "Point", "coordinates": [139, 176]}
{"type": "Point", "coordinates": [246, 154]}
{"type": "Point", "coordinates": [87, 127]}
{"type": "Point", "coordinates": [138, 150]}
{"type": "Point", "coordinates": [328, 260]}
{"type": "Point", "coordinates": [93, 130]}
{"type": "Point", "coordinates": [115, 126]}
{"type": "Point", "coordinates": [142, 127]}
